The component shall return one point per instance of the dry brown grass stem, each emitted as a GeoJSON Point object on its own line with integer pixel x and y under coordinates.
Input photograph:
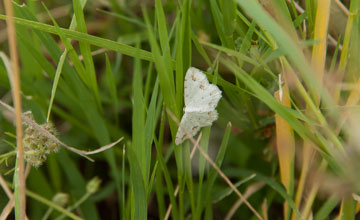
{"type": "Point", "coordinates": [249, 192]}
{"type": "Point", "coordinates": [10, 205]}
{"type": "Point", "coordinates": [15, 87]}
{"type": "Point", "coordinates": [218, 170]}
{"type": "Point", "coordinates": [5, 187]}
{"type": "Point", "coordinates": [342, 7]}
{"type": "Point", "coordinates": [7, 209]}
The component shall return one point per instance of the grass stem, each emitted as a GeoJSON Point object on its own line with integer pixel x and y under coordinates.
{"type": "Point", "coordinates": [20, 212]}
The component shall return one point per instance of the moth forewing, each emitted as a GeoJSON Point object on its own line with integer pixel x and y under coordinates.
{"type": "Point", "coordinates": [201, 99]}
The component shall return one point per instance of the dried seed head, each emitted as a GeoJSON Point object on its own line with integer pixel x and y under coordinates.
{"type": "Point", "coordinates": [37, 146]}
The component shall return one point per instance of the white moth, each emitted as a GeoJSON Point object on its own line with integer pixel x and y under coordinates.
{"type": "Point", "coordinates": [201, 99]}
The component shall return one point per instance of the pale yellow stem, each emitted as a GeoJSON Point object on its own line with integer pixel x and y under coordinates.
{"type": "Point", "coordinates": [17, 104]}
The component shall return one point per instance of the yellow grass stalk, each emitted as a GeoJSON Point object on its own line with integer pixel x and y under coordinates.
{"type": "Point", "coordinates": [285, 145]}
{"type": "Point", "coordinates": [318, 63]}
{"type": "Point", "coordinates": [320, 35]}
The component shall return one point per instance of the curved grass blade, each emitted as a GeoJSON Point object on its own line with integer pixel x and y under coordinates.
{"type": "Point", "coordinates": [93, 40]}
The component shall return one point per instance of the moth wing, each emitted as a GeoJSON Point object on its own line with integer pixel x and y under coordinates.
{"type": "Point", "coordinates": [199, 94]}
{"type": "Point", "coordinates": [193, 79]}
{"type": "Point", "coordinates": [206, 99]}
{"type": "Point", "coordinates": [191, 123]}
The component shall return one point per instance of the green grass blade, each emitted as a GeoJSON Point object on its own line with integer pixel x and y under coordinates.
{"type": "Point", "coordinates": [188, 178]}
{"type": "Point", "coordinates": [218, 19]}
{"type": "Point", "coordinates": [56, 81]}
{"type": "Point", "coordinates": [200, 49]}
{"type": "Point", "coordinates": [93, 40]}
{"type": "Point", "coordinates": [86, 51]}
{"type": "Point", "coordinates": [183, 51]}
{"type": "Point", "coordinates": [327, 208]}
{"type": "Point", "coordinates": [111, 86]}
{"type": "Point", "coordinates": [148, 82]}
{"type": "Point", "coordinates": [160, 194]}
{"type": "Point", "coordinates": [165, 78]}
{"type": "Point", "coordinates": [246, 42]}
{"type": "Point", "coordinates": [138, 118]}
{"type": "Point", "coordinates": [164, 38]}
{"type": "Point", "coordinates": [122, 201]}
{"type": "Point", "coordinates": [137, 157]}
{"type": "Point", "coordinates": [54, 172]}
{"type": "Point", "coordinates": [311, 13]}
{"type": "Point", "coordinates": [16, 191]}
{"type": "Point", "coordinates": [169, 184]}
{"type": "Point", "coordinates": [71, 51]}
{"type": "Point", "coordinates": [163, 33]}
{"type": "Point", "coordinates": [164, 169]}
{"type": "Point", "coordinates": [204, 144]}
{"type": "Point", "coordinates": [139, 208]}
{"type": "Point", "coordinates": [151, 181]}
{"type": "Point", "coordinates": [183, 61]}
{"type": "Point", "coordinates": [150, 125]}
{"type": "Point", "coordinates": [228, 9]}
{"type": "Point", "coordinates": [159, 176]}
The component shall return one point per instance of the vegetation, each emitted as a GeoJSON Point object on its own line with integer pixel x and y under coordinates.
{"type": "Point", "coordinates": [285, 145]}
